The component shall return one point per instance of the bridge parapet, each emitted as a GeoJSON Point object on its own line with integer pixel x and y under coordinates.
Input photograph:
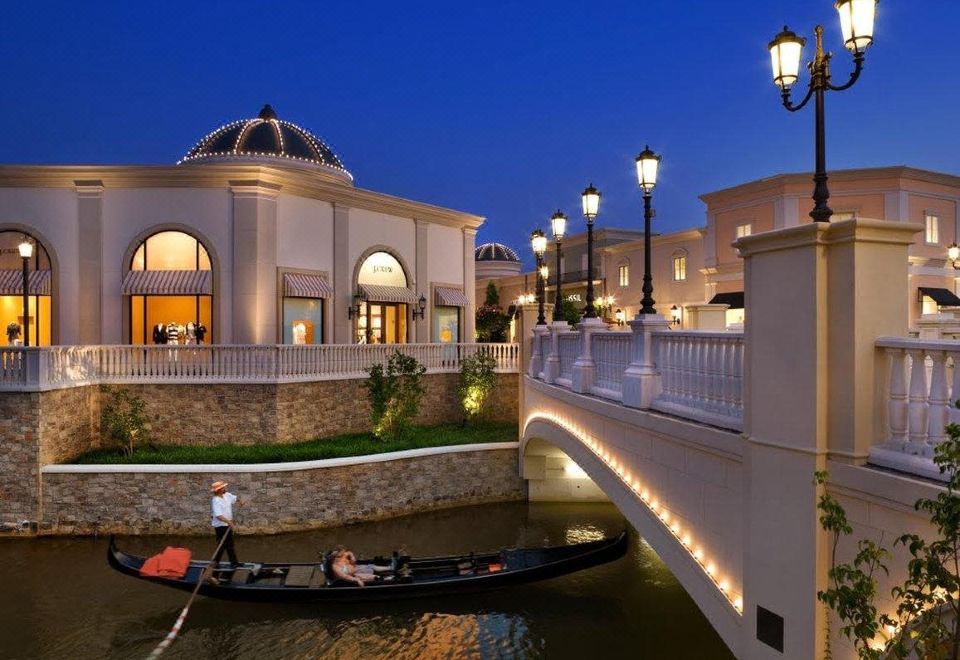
{"type": "Point", "coordinates": [692, 374]}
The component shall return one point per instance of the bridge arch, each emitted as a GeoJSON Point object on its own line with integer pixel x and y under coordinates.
{"type": "Point", "coordinates": [718, 596]}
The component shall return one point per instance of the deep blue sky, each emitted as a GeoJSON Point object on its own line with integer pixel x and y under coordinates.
{"type": "Point", "coordinates": [503, 110]}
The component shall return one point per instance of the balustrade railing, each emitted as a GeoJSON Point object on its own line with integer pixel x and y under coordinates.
{"type": "Point", "coordinates": [700, 374]}
{"type": "Point", "coordinates": [30, 369]}
{"type": "Point", "coordinates": [920, 380]}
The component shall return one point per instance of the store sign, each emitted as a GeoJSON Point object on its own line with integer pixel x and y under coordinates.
{"type": "Point", "coordinates": [382, 268]}
{"type": "Point", "coordinates": [575, 297]}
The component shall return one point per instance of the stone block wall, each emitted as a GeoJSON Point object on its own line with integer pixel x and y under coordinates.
{"type": "Point", "coordinates": [19, 456]}
{"type": "Point", "coordinates": [69, 423]}
{"type": "Point", "coordinates": [160, 503]}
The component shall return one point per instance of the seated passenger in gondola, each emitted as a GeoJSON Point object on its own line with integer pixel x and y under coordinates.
{"type": "Point", "coordinates": [345, 567]}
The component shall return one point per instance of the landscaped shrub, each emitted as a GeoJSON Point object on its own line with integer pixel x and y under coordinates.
{"type": "Point", "coordinates": [124, 421]}
{"type": "Point", "coordinates": [477, 381]}
{"type": "Point", "coordinates": [492, 323]}
{"type": "Point", "coordinates": [925, 623]}
{"type": "Point", "coordinates": [395, 392]}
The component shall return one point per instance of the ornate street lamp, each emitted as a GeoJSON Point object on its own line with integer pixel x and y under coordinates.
{"type": "Point", "coordinates": [856, 23]}
{"type": "Point", "coordinates": [558, 224]}
{"type": "Point", "coordinates": [953, 254]}
{"type": "Point", "coordinates": [538, 241]}
{"type": "Point", "coordinates": [591, 206]}
{"type": "Point", "coordinates": [26, 251]}
{"type": "Point", "coordinates": [421, 308]}
{"type": "Point", "coordinates": [648, 164]}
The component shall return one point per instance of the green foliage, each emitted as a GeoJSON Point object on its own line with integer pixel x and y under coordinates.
{"type": "Point", "coordinates": [124, 420]}
{"type": "Point", "coordinates": [492, 323]}
{"type": "Point", "coordinates": [927, 617]}
{"type": "Point", "coordinates": [572, 311]}
{"type": "Point", "coordinates": [395, 392]}
{"type": "Point", "coordinates": [352, 444]}
{"type": "Point", "coordinates": [477, 381]}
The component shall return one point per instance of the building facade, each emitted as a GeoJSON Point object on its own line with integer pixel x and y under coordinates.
{"type": "Point", "coordinates": [257, 236]}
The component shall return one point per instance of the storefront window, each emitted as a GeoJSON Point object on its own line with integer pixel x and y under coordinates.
{"type": "Point", "coordinates": [446, 325]}
{"type": "Point", "coordinates": [383, 315]}
{"type": "Point", "coordinates": [173, 304]}
{"type": "Point", "coordinates": [39, 283]}
{"type": "Point", "coordinates": [302, 321]}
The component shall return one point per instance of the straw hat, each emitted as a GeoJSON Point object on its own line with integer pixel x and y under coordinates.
{"type": "Point", "coordinates": [217, 485]}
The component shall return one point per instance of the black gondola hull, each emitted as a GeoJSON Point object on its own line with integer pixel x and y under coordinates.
{"type": "Point", "coordinates": [522, 566]}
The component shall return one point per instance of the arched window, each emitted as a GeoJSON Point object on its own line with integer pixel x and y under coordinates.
{"type": "Point", "coordinates": [383, 285]}
{"type": "Point", "coordinates": [39, 281]}
{"type": "Point", "coordinates": [170, 287]}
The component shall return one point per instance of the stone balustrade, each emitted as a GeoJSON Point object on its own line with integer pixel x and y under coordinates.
{"type": "Point", "coordinates": [37, 369]}
{"type": "Point", "coordinates": [920, 383]}
{"type": "Point", "coordinates": [695, 375]}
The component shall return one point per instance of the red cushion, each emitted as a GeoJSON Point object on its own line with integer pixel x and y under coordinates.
{"type": "Point", "coordinates": [172, 562]}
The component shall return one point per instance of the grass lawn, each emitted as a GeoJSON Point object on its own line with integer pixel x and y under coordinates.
{"type": "Point", "coordinates": [354, 444]}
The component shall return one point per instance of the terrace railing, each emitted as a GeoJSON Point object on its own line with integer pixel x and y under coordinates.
{"type": "Point", "coordinates": [33, 369]}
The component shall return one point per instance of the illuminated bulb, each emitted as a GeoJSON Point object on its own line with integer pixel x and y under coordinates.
{"type": "Point", "coordinates": [891, 630]}
{"type": "Point", "coordinates": [711, 569]}
{"type": "Point", "coordinates": [724, 585]}
{"type": "Point", "coordinates": [738, 603]}
{"type": "Point", "coordinates": [675, 528]}
{"type": "Point", "coordinates": [654, 504]}
{"type": "Point", "coordinates": [644, 495]}
{"type": "Point", "coordinates": [665, 516]}
{"type": "Point", "coordinates": [686, 540]}
{"type": "Point", "coordinates": [698, 554]}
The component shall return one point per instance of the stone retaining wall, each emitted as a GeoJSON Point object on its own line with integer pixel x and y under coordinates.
{"type": "Point", "coordinates": [277, 501]}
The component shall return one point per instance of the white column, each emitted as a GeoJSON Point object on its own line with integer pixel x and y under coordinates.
{"type": "Point", "coordinates": [89, 247]}
{"type": "Point", "coordinates": [254, 262]}
{"type": "Point", "coordinates": [551, 364]}
{"type": "Point", "coordinates": [343, 285]}
{"type": "Point", "coordinates": [641, 380]}
{"type": "Point", "coordinates": [469, 284]}
{"type": "Point", "coordinates": [421, 327]}
{"type": "Point", "coordinates": [584, 368]}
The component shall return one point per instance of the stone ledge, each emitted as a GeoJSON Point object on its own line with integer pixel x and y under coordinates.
{"type": "Point", "coordinates": [154, 468]}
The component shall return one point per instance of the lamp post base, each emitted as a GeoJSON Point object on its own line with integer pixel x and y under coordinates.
{"type": "Point", "coordinates": [641, 380]}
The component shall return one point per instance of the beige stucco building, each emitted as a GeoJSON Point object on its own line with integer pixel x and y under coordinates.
{"type": "Point", "coordinates": [695, 267]}
{"type": "Point", "coordinates": [258, 235]}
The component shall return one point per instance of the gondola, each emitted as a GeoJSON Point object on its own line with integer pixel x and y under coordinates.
{"type": "Point", "coordinates": [412, 577]}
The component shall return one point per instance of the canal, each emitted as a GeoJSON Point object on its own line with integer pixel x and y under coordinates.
{"type": "Point", "coordinates": [61, 600]}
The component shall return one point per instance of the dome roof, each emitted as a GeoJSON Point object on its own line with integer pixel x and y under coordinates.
{"type": "Point", "coordinates": [265, 138]}
{"type": "Point", "coordinates": [495, 252]}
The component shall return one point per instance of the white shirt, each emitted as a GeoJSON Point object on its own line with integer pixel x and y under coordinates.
{"type": "Point", "coordinates": [221, 506]}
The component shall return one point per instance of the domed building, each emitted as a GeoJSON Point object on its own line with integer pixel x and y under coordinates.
{"type": "Point", "coordinates": [496, 260]}
{"type": "Point", "coordinates": [257, 235]}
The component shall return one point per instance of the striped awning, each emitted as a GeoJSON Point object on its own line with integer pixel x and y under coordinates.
{"type": "Point", "coordinates": [11, 282]}
{"type": "Point", "coordinates": [301, 285]}
{"type": "Point", "coordinates": [167, 283]}
{"type": "Point", "coordinates": [381, 293]}
{"type": "Point", "coordinates": [444, 296]}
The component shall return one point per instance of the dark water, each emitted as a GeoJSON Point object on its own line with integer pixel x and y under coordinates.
{"type": "Point", "coordinates": [59, 599]}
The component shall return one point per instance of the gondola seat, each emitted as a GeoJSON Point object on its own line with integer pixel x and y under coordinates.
{"type": "Point", "coordinates": [299, 576]}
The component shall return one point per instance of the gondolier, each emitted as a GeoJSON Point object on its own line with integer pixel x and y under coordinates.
{"type": "Point", "coordinates": [221, 517]}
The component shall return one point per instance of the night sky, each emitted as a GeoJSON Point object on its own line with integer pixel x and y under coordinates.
{"type": "Point", "coordinates": [505, 110]}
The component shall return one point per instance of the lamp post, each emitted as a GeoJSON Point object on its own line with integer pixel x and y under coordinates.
{"type": "Point", "coordinates": [953, 254]}
{"type": "Point", "coordinates": [558, 224]}
{"type": "Point", "coordinates": [538, 241]}
{"type": "Point", "coordinates": [26, 251]}
{"type": "Point", "coordinates": [591, 206]}
{"type": "Point", "coordinates": [856, 23]}
{"type": "Point", "coordinates": [648, 163]}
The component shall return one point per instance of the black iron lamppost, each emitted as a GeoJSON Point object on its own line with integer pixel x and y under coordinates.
{"type": "Point", "coordinates": [647, 165]}
{"type": "Point", "coordinates": [421, 309]}
{"type": "Point", "coordinates": [558, 224]}
{"type": "Point", "coordinates": [26, 251]}
{"type": "Point", "coordinates": [538, 240]}
{"type": "Point", "coordinates": [856, 23]}
{"type": "Point", "coordinates": [591, 206]}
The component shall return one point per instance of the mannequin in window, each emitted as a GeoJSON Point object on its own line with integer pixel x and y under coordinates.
{"type": "Point", "coordinates": [200, 330]}
{"type": "Point", "coordinates": [191, 333]}
{"type": "Point", "coordinates": [159, 334]}
{"type": "Point", "coordinates": [173, 333]}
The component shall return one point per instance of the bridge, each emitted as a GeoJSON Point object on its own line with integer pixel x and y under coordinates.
{"type": "Point", "coordinates": [707, 441]}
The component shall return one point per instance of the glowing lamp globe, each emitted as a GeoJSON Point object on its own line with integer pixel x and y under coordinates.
{"type": "Point", "coordinates": [856, 23]}
{"type": "Point", "coordinates": [648, 163]}
{"type": "Point", "coordinates": [591, 202]}
{"type": "Point", "coordinates": [558, 224]}
{"type": "Point", "coordinates": [785, 52]}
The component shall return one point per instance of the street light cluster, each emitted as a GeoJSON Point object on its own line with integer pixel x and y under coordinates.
{"type": "Point", "coordinates": [648, 164]}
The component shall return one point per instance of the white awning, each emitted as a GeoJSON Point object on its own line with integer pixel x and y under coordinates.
{"type": "Point", "coordinates": [444, 296]}
{"type": "Point", "coordinates": [301, 285]}
{"type": "Point", "coordinates": [167, 283]}
{"type": "Point", "coordinates": [381, 293]}
{"type": "Point", "coordinates": [11, 282]}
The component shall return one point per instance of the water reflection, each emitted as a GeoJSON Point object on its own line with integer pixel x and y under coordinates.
{"type": "Point", "coordinates": [63, 601]}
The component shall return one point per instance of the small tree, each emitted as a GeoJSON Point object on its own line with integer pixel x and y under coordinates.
{"type": "Point", "coordinates": [572, 313]}
{"type": "Point", "coordinates": [395, 393]}
{"type": "Point", "coordinates": [477, 381]}
{"type": "Point", "coordinates": [124, 420]}
{"type": "Point", "coordinates": [491, 321]}
{"type": "Point", "coordinates": [927, 619]}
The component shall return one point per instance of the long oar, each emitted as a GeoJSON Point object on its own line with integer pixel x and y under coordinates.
{"type": "Point", "coordinates": [172, 635]}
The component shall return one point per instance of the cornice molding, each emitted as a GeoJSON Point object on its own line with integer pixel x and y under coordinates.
{"type": "Point", "coordinates": [302, 183]}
